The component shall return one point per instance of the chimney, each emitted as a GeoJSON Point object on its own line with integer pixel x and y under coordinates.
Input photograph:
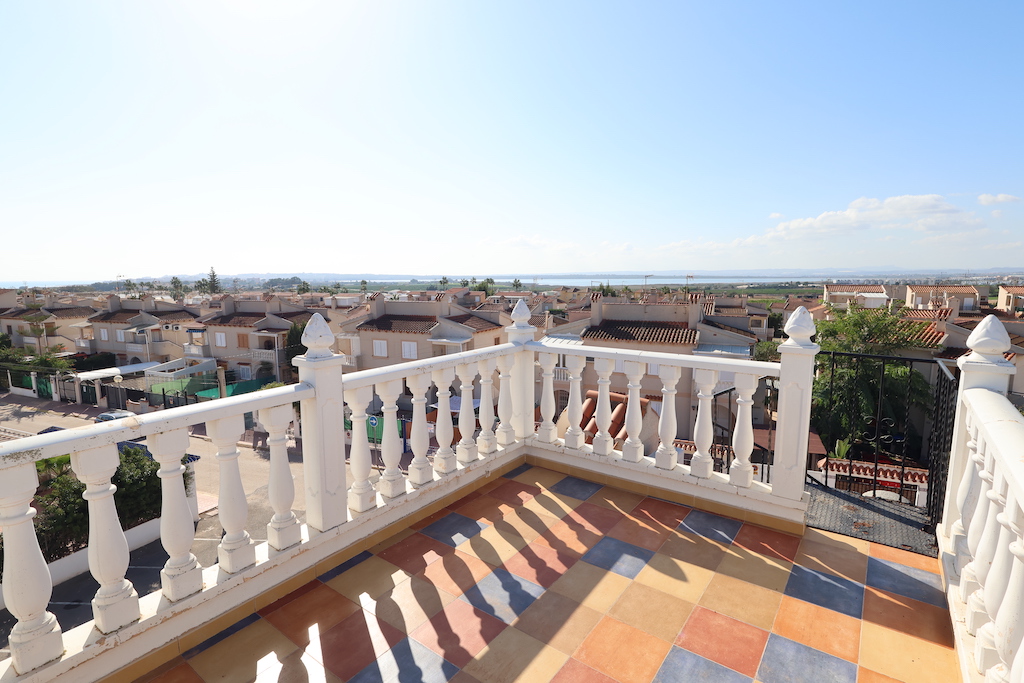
{"type": "Point", "coordinates": [596, 309]}
{"type": "Point", "coordinates": [113, 303]}
{"type": "Point", "coordinates": [375, 304]}
{"type": "Point", "coordinates": [227, 304]}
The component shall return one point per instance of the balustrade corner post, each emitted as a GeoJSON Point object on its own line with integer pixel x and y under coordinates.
{"type": "Point", "coordinates": [506, 434]}
{"type": "Point", "coordinates": [633, 448]}
{"type": "Point", "coordinates": [323, 428]}
{"type": "Point", "coordinates": [391, 483]}
{"type": "Point", "coordinates": [486, 442]}
{"type": "Point", "coordinates": [420, 471]}
{"type": "Point", "coordinates": [444, 458]}
{"type": "Point", "coordinates": [116, 603]}
{"type": "Point", "coordinates": [547, 433]}
{"type": "Point", "coordinates": [283, 530]}
{"type": "Point", "coordinates": [741, 472]}
{"type": "Point", "coordinates": [521, 332]}
{"type": "Point", "coordinates": [985, 367]}
{"type": "Point", "coordinates": [796, 384]}
{"type": "Point", "coordinates": [236, 551]}
{"type": "Point", "coordinates": [574, 436]}
{"type": "Point", "coordinates": [182, 575]}
{"type": "Point", "coordinates": [361, 496]}
{"type": "Point", "coordinates": [667, 457]}
{"type": "Point", "coordinates": [36, 639]}
{"type": "Point", "coordinates": [466, 450]}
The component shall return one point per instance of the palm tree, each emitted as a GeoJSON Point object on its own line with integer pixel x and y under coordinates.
{"type": "Point", "coordinates": [517, 285]}
{"type": "Point", "coordinates": [444, 282]}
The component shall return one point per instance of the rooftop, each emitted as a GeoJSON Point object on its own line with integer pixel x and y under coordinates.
{"type": "Point", "coordinates": [643, 331]}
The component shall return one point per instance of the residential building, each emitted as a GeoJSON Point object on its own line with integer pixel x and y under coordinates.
{"type": "Point", "coordinates": [967, 297]}
{"type": "Point", "coordinates": [1011, 300]}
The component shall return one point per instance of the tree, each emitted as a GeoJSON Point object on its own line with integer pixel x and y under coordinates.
{"type": "Point", "coordinates": [293, 342]}
{"type": "Point", "coordinates": [444, 282]}
{"type": "Point", "coordinates": [472, 280]}
{"type": "Point", "coordinates": [767, 351]}
{"type": "Point", "coordinates": [303, 288]}
{"type": "Point", "coordinates": [203, 286]}
{"type": "Point", "coordinates": [214, 282]}
{"type": "Point", "coordinates": [362, 285]}
{"type": "Point", "coordinates": [176, 289]}
{"type": "Point", "coordinates": [852, 391]}
{"type": "Point", "coordinates": [517, 285]}
{"type": "Point", "coordinates": [129, 287]}
{"type": "Point", "coordinates": [465, 282]}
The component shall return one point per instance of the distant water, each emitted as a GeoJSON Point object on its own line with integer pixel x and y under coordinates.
{"type": "Point", "coordinates": [660, 281]}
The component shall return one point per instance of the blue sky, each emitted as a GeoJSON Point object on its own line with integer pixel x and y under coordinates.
{"type": "Point", "coordinates": [473, 138]}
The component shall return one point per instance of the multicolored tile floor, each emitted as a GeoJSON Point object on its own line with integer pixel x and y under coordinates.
{"type": "Point", "coordinates": [539, 576]}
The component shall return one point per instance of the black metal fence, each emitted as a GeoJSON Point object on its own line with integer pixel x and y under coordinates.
{"type": "Point", "coordinates": [941, 439]}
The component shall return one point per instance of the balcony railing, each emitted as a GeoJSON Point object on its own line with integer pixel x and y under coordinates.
{"type": "Point", "coordinates": [264, 355]}
{"type": "Point", "coordinates": [343, 513]}
{"type": "Point", "coordinates": [202, 350]}
{"type": "Point", "coordinates": [131, 347]}
{"type": "Point", "coordinates": [84, 345]}
{"type": "Point", "coordinates": [982, 535]}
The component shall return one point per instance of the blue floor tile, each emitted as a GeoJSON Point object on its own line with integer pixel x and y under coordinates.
{"type": "Point", "coordinates": [407, 661]}
{"type": "Point", "coordinates": [826, 590]}
{"type": "Point", "coordinates": [618, 556]}
{"type": "Point", "coordinates": [721, 529]}
{"type": "Point", "coordinates": [683, 665]}
{"type": "Point", "coordinates": [229, 631]}
{"type": "Point", "coordinates": [787, 661]}
{"type": "Point", "coordinates": [453, 529]}
{"type": "Point", "coordinates": [906, 581]}
{"type": "Point", "coordinates": [345, 566]}
{"type": "Point", "coordinates": [503, 595]}
{"type": "Point", "coordinates": [511, 474]}
{"type": "Point", "coordinates": [576, 488]}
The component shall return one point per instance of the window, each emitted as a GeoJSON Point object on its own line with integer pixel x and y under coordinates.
{"type": "Point", "coordinates": [244, 371]}
{"type": "Point", "coordinates": [380, 348]}
{"type": "Point", "coordinates": [120, 335]}
{"type": "Point", "coordinates": [408, 350]}
{"type": "Point", "coordinates": [243, 340]}
{"type": "Point", "coordinates": [755, 322]}
{"type": "Point", "coordinates": [497, 341]}
{"type": "Point", "coordinates": [220, 339]}
{"type": "Point", "coordinates": [103, 334]}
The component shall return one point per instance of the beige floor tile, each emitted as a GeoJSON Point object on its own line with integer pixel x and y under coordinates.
{"type": "Point", "coordinates": [368, 580]}
{"type": "Point", "coordinates": [652, 611]}
{"type": "Point", "coordinates": [675, 577]}
{"type": "Point", "coordinates": [538, 476]}
{"type": "Point", "coordinates": [527, 523]}
{"type": "Point", "coordinates": [694, 549]}
{"type": "Point", "coordinates": [297, 667]}
{"type": "Point", "coordinates": [616, 499]}
{"type": "Point", "coordinates": [494, 545]}
{"type": "Point", "coordinates": [515, 657]}
{"type": "Point", "coordinates": [390, 541]}
{"type": "Point", "coordinates": [905, 657]}
{"type": "Point", "coordinates": [558, 621]}
{"type": "Point", "coordinates": [740, 600]}
{"type": "Point", "coordinates": [769, 572]}
{"type": "Point", "coordinates": [242, 656]}
{"type": "Point", "coordinates": [548, 504]}
{"type": "Point", "coordinates": [859, 545]}
{"type": "Point", "coordinates": [592, 586]}
{"type": "Point", "coordinates": [410, 603]}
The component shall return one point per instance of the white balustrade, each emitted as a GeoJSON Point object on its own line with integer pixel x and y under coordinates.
{"type": "Point", "coordinates": [506, 434]}
{"type": "Point", "coordinates": [236, 551]}
{"type": "Point", "coordinates": [546, 431]}
{"type": "Point", "coordinates": [466, 450]}
{"type": "Point", "coordinates": [667, 457]}
{"type": "Point", "coordinates": [444, 459]}
{"type": "Point", "coordinates": [391, 483]}
{"type": "Point", "coordinates": [979, 519]}
{"type": "Point", "coordinates": [486, 442]}
{"type": "Point", "coordinates": [420, 471]}
{"type": "Point", "coordinates": [633, 448]}
{"type": "Point", "coordinates": [741, 472]}
{"type": "Point", "coordinates": [361, 497]}
{"type": "Point", "coordinates": [574, 436]}
{"type": "Point", "coordinates": [116, 603]}
{"type": "Point", "coordinates": [603, 442]}
{"type": "Point", "coordinates": [181, 576]}
{"type": "Point", "coordinates": [702, 464]}
{"type": "Point", "coordinates": [283, 530]}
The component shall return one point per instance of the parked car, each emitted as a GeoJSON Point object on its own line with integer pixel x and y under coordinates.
{"type": "Point", "coordinates": [113, 415]}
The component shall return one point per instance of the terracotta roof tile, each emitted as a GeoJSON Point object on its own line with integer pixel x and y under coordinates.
{"type": "Point", "coordinates": [729, 328]}
{"type": "Point", "coordinates": [236, 319]}
{"type": "Point", "coordinates": [297, 317]}
{"type": "Point", "coordinates": [114, 316]}
{"type": "Point", "coordinates": [922, 334]}
{"type": "Point", "coordinates": [925, 314]}
{"type": "Point", "coordinates": [173, 315]}
{"type": "Point", "coordinates": [943, 289]}
{"type": "Point", "coordinates": [474, 321]}
{"type": "Point", "coordinates": [1013, 289]}
{"type": "Point", "coordinates": [644, 331]}
{"type": "Point", "coordinates": [416, 324]}
{"type": "Point", "coordinates": [855, 289]}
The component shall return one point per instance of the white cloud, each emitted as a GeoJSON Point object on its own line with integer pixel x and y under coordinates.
{"type": "Point", "coordinates": [997, 214]}
{"type": "Point", "coordinates": [775, 215]}
{"type": "Point", "coordinates": [989, 199]}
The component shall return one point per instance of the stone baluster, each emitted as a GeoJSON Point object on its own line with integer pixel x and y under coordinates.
{"type": "Point", "coordinates": [796, 383]}
{"type": "Point", "coordinates": [323, 428]}
{"type": "Point", "coordinates": [985, 367]}
{"type": "Point", "coordinates": [667, 457]}
{"type": "Point", "coordinates": [466, 450]}
{"type": "Point", "coordinates": [574, 436]}
{"type": "Point", "coordinates": [361, 496]}
{"type": "Point", "coordinates": [702, 464]}
{"type": "Point", "coordinates": [970, 505]}
{"type": "Point", "coordinates": [392, 483]}
{"type": "Point", "coordinates": [506, 432]}
{"type": "Point", "coordinates": [1008, 629]}
{"type": "Point", "coordinates": [993, 590]}
{"type": "Point", "coordinates": [444, 459]}
{"type": "Point", "coordinates": [420, 471]}
{"type": "Point", "coordinates": [741, 472]}
{"type": "Point", "coordinates": [603, 442]}
{"type": "Point", "coordinates": [116, 603]}
{"type": "Point", "coordinates": [284, 530]}
{"type": "Point", "coordinates": [236, 551]}
{"type": "Point", "coordinates": [547, 433]}
{"type": "Point", "coordinates": [36, 638]}
{"type": "Point", "coordinates": [633, 448]}
{"type": "Point", "coordinates": [181, 576]}
{"type": "Point", "coordinates": [485, 442]}
{"type": "Point", "coordinates": [967, 479]}
{"type": "Point", "coordinates": [969, 579]}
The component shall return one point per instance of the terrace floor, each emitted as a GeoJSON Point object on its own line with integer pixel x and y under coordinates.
{"type": "Point", "coordinates": [542, 577]}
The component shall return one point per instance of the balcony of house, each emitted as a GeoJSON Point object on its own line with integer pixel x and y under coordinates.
{"type": "Point", "coordinates": [514, 552]}
{"type": "Point", "coordinates": [85, 345]}
{"type": "Point", "coordinates": [265, 355]}
{"type": "Point", "coordinates": [196, 350]}
{"type": "Point", "coordinates": [135, 348]}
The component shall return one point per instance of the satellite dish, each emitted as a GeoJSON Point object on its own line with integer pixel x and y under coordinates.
{"type": "Point", "coordinates": [118, 378]}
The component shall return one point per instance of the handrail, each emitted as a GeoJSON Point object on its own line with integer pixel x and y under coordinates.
{"type": "Point", "coordinates": [364, 378]}
{"type": "Point", "coordinates": [1002, 426]}
{"type": "Point", "coordinates": [757, 367]}
{"type": "Point", "coordinates": [41, 446]}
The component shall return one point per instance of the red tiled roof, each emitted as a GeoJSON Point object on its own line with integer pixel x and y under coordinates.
{"type": "Point", "coordinates": [856, 289]}
{"type": "Point", "coordinates": [173, 315]}
{"type": "Point", "coordinates": [1013, 289]}
{"type": "Point", "coordinates": [644, 331]}
{"type": "Point", "coordinates": [925, 314]}
{"type": "Point", "coordinates": [943, 289]}
{"type": "Point", "coordinates": [72, 311]}
{"type": "Point", "coordinates": [476, 322]}
{"type": "Point", "coordinates": [537, 320]}
{"type": "Point", "coordinates": [236, 319]}
{"type": "Point", "coordinates": [729, 328]}
{"type": "Point", "coordinates": [114, 316]}
{"type": "Point", "coordinates": [416, 324]}
{"type": "Point", "coordinates": [922, 334]}
{"type": "Point", "coordinates": [297, 317]}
